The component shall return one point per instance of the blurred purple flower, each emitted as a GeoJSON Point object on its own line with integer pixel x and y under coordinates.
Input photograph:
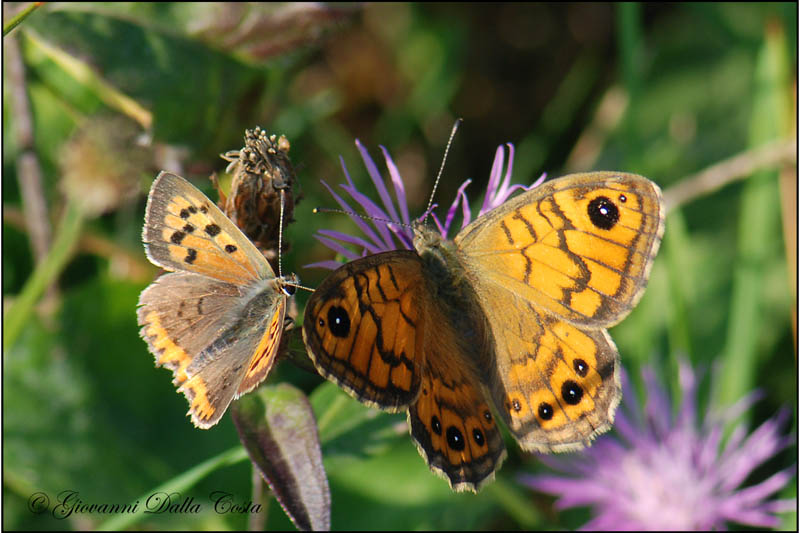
{"type": "Point", "coordinates": [660, 473]}
{"type": "Point", "coordinates": [380, 234]}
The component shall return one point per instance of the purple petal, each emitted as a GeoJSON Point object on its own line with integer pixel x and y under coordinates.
{"type": "Point", "coordinates": [336, 247]}
{"type": "Point", "coordinates": [780, 506]}
{"type": "Point", "coordinates": [494, 180]}
{"type": "Point", "coordinates": [461, 197]}
{"type": "Point", "coordinates": [751, 517]}
{"type": "Point", "coordinates": [754, 494]}
{"type": "Point", "coordinates": [329, 264]}
{"type": "Point", "coordinates": [509, 167]}
{"type": "Point", "coordinates": [372, 210]}
{"type": "Point", "coordinates": [762, 444]}
{"type": "Point", "coordinates": [363, 226]}
{"type": "Point", "coordinates": [351, 239]}
{"type": "Point", "coordinates": [687, 415]}
{"type": "Point", "coordinates": [399, 187]}
{"type": "Point", "coordinates": [377, 179]}
{"type": "Point", "coordinates": [442, 230]}
{"type": "Point", "coordinates": [707, 456]}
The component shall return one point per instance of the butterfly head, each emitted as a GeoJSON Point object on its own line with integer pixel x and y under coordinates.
{"type": "Point", "coordinates": [288, 284]}
{"type": "Point", "coordinates": [425, 237]}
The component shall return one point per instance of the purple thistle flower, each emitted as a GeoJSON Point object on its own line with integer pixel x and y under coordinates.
{"type": "Point", "coordinates": [382, 236]}
{"type": "Point", "coordinates": [667, 473]}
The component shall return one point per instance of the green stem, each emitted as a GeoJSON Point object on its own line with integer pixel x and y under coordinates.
{"type": "Point", "coordinates": [510, 497]}
{"type": "Point", "coordinates": [69, 231]}
{"type": "Point", "coordinates": [17, 19]}
{"type": "Point", "coordinates": [759, 223]}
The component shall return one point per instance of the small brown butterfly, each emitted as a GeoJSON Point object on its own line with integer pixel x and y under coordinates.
{"type": "Point", "coordinates": [509, 318]}
{"type": "Point", "coordinates": [216, 321]}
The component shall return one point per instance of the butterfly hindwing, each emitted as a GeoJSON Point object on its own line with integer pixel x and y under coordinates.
{"type": "Point", "coordinates": [213, 336]}
{"type": "Point", "coordinates": [451, 421]}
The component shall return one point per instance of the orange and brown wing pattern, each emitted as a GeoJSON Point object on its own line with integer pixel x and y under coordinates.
{"type": "Point", "coordinates": [184, 230]}
{"type": "Point", "coordinates": [555, 385]}
{"type": "Point", "coordinates": [451, 421]}
{"type": "Point", "coordinates": [267, 350]}
{"type": "Point", "coordinates": [363, 328]}
{"type": "Point", "coordinates": [213, 335]}
{"type": "Point", "coordinates": [579, 247]}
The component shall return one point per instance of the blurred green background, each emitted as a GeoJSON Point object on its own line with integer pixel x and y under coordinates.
{"type": "Point", "coordinates": [661, 90]}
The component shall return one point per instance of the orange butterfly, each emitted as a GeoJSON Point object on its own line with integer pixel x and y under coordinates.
{"type": "Point", "coordinates": [216, 321]}
{"type": "Point", "coordinates": [508, 318]}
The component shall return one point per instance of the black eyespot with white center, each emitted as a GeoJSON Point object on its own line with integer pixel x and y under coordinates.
{"type": "Point", "coordinates": [545, 411]}
{"type": "Point", "coordinates": [455, 439]}
{"type": "Point", "coordinates": [477, 435]}
{"type": "Point", "coordinates": [571, 392]}
{"type": "Point", "coordinates": [338, 321]}
{"type": "Point", "coordinates": [581, 368]}
{"type": "Point", "coordinates": [603, 213]}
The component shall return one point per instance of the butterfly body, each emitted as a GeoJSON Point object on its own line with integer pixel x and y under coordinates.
{"type": "Point", "coordinates": [217, 319]}
{"type": "Point", "coordinates": [508, 318]}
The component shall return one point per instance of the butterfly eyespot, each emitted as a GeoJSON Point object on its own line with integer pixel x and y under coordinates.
{"type": "Point", "coordinates": [581, 368]}
{"type": "Point", "coordinates": [571, 392]}
{"type": "Point", "coordinates": [436, 425]}
{"type": "Point", "coordinates": [487, 416]}
{"type": "Point", "coordinates": [623, 198]}
{"type": "Point", "coordinates": [545, 411]}
{"type": "Point", "coordinates": [478, 436]}
{"type": "Point", "coordinates": [603, 213]}
{"type": "Point", "coordinates": [213, 230]}
{"type": "Point", "coordinates": [455, 439]}
{"type": "Point", "coordinates": [230, 248]}
{"type": "Point", "coordinates": [338, 322]}
{"type": "Point", "coordinates": [191, 255]}
{"type": "Point", "coordinates": [515, 405]}
{"type": "Point", "coordinates": [177, 237]}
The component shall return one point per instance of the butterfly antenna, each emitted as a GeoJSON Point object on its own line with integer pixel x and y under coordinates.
{"type": "Point", "coordinates": [280, 235]}
{"type": "Point", "coordinates": [441, 168]}
{"type": "Point", "coordinates": [365, 217]}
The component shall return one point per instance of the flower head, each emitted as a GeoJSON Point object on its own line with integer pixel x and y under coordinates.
{"type": "Point", "coordinates": [380, 234]}
{"type": "Point", "coordinates": [672, 473]}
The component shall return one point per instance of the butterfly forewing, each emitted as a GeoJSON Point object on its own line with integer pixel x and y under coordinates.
{"type": "Point", "coordinates": [363, 328]}
{"type": "Point", "coordinates": [579, 247]}
{"type": "Point", "coordinates": [184, 230]}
